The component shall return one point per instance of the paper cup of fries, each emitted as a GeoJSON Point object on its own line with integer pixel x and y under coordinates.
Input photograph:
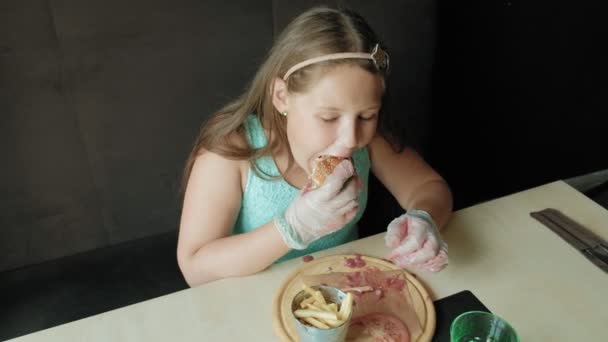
{"type": "Point", "coordinates": [322, 313]}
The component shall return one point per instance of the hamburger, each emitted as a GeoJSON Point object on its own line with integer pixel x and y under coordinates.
{"type": "Point", "coordinates": [324, 166]}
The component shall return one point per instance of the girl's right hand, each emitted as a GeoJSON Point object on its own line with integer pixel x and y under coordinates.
{"type": "Point", "coordinates": [316, 213]}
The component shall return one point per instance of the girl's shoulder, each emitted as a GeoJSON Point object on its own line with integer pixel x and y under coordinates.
{"type": "Point", "coordinates": [219, 164]}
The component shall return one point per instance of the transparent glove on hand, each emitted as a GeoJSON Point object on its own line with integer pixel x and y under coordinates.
{"type": "Point", "coordinates": [414, 240]}
{"type": "Point", "coordinates": [316, 213]}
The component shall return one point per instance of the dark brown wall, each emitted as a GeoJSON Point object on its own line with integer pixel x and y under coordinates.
{"type": "Point", "coordinates": [520, 93]}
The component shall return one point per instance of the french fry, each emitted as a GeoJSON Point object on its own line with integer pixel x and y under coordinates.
{"type": "Point", "coordinates": [320, 298]}
{"type": "Point", "coordinates": [331, 308]}
{"type": "Point", "coordinates": [308, 290]}
{"type": "Point", "coordinates": [315, 323]}
{"type": "Point", "coordinates": [331, 322]}
{"type": "Point", "coordinates": [307, 301]}
{"type": "Point", "coordinates": [317, 294]}
{"type": "Point", "coordinates": [301, 313]}
{"type": "Point", "coordinates": [323, 307]}
{"type": "Point", "coordinates": [346, 307]}
{"type": "Point", "coordinates": [360, 289]}
{"type": "Point", "coordinates": [316, 311]}
{"type": "Point", "coordinates": [314, 307]}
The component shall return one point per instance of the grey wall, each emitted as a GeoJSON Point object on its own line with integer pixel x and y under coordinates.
{"type": "Point", "coordinates": [100, 102]}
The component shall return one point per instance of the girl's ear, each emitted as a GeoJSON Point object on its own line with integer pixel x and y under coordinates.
{"type": "Point", "coordinates": [280, 95]}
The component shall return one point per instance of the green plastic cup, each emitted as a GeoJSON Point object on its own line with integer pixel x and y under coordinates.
{"type": "Point", "coordinates": [476, 326]}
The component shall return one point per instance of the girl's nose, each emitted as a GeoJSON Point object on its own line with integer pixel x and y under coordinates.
{"type": "Point", "coordinates": [347, 136]}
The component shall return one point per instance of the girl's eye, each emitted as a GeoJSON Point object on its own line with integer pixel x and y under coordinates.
{"type": "Point", "coordinates": [368, 118]}
{"type": "Point", "coordinates": [329, 119]}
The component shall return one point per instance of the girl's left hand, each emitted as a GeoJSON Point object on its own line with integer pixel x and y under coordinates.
{"type": "Point", "coordinates": [414, 240]}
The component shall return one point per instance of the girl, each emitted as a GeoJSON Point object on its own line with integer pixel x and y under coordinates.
{"type": "Point", "coordinates": [248, 201]}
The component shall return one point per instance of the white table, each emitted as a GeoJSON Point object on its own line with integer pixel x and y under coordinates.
{"type": "Point", "coordinates": [519, 268]}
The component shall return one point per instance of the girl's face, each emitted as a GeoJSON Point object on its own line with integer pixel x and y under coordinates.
{"type": "Point", "coordinates": [336, 116]}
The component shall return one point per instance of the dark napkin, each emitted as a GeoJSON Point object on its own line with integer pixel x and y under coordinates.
{"type": "Point", "coordinates": [448, 308]}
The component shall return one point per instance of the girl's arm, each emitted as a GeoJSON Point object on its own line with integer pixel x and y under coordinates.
{"type": "Point", "coordinates": [205, 250]}
{"type": "Point", "coordinates": [411, 180]}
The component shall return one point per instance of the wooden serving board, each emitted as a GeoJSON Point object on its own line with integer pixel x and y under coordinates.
{"type": "Point", "coordinates": [282, 319]}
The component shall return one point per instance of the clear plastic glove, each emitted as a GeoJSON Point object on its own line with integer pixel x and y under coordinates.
{"type": "Point", "coordinates": [316, 213]}
{"type": "Point", "coordinates": [415, 241]}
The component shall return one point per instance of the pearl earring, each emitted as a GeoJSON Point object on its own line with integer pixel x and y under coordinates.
{"type": "Point", "coordinates": [284, 113]}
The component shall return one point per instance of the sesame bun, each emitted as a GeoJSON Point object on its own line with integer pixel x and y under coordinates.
{"type": "Point", "coordinates": [323, 167]}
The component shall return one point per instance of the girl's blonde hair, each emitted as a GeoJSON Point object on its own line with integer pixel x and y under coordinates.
{"type": "Point", "coordinates": [316, 32]}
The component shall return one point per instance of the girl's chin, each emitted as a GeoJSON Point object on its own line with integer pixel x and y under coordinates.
{"type": "Point", "coordinates": [305, 168]}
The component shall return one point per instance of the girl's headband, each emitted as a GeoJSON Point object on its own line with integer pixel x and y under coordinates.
{"type": "Point", "coordinates": [378, 56]}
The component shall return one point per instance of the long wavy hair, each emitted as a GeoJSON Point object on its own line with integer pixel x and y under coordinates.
{"type": "Point", "coordinates": [316, 32]}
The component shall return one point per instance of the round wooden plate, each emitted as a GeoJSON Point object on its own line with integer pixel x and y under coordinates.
{"type": "Point", "coordinates": [284, 326]}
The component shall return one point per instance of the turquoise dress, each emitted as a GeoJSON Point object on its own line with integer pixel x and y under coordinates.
{"type": "Point", "coordinates": [265, 199]}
